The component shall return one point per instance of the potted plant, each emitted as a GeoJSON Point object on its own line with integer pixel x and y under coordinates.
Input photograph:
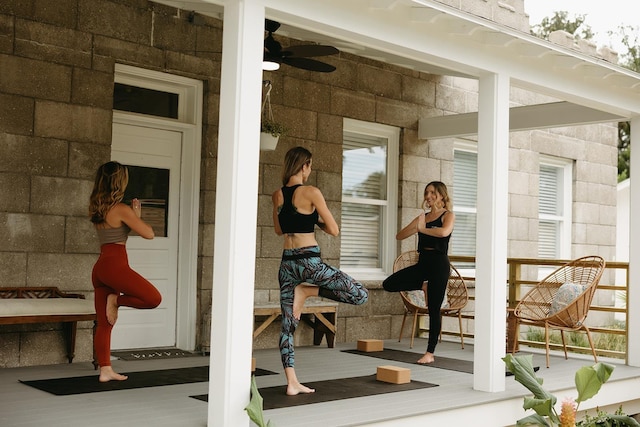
{"type": "Point", "coordinates": [270, 130]}
{"type": "Point", "coordinates": [588, 380]}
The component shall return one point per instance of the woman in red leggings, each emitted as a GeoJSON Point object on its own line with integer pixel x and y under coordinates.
{"type": "Point", "coordinates": [115, 283]}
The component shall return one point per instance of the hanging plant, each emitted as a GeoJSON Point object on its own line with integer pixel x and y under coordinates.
{"type": "Point", "coordinates": [269, 128]}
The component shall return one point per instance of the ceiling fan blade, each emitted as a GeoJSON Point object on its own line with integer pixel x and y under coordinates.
{"type": "Point", "coordinates": [272, 45]}
{"type": "Point", "coordinates": [271, 26]}
{"type": "Point", "coordinates": [308, 64]}
{"type": "Point", "coordinates": [309, 50]}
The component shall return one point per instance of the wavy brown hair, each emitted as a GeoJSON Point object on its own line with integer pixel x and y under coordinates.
{"type": "Point", "coordinates": [441, 189]}
{"type": "Point", "coordinates": [294, 160]}
{"type": "Point", "coordinates": [108, 190]}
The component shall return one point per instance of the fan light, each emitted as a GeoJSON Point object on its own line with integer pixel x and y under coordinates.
{"type": "Point", "coordinates": [270, 65]}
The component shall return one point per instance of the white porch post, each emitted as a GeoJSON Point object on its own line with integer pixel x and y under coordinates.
{"type": "Point", "coordinates": [491, 233]}
{"type": "Point", "coordinates": [633, 297]}
{"type": "Point", "coordinates": [236, 213]}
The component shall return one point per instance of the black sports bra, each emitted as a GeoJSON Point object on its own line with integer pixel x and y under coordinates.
{"type": "Point", "coordinates": [291, 221]}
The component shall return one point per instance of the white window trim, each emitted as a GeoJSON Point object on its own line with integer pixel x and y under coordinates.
{"type": "Point", "coordinates": [565, 220]}
{"type": "Point", "coordinates": [392, 134]}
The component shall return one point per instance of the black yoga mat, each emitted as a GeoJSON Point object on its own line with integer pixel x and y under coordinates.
{"type": "Point", "coordinates": [90, 384]}
{"type": "Point", "coordinates": [329, 390]}
{"type": "Point", "coordinates": [458, 365]}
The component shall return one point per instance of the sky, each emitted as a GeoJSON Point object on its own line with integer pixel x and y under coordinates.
{"type": "Point", "coordinates": [601, 15]}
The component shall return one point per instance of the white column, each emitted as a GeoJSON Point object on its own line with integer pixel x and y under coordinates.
{"type": "Point", "coordinates": [491, 233]}
{"type": "Point", "coordinates": [236, 213]}
{"type": "Point", "coordinates": [633, 297]}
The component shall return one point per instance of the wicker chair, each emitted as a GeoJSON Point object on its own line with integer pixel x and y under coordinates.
{"type": "Point", "coordinates": [562, 300]}
{"type": "Point", "coordinates": [415, 302]}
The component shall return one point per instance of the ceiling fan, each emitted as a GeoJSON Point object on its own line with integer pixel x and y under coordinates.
{"type": "Point", "coordinates": [296, 56]}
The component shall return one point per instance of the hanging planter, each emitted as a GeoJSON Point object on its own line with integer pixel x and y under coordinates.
{"type": "Point", "coordinates": [270, 130]}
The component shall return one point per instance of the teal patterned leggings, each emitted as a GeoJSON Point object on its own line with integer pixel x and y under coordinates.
{"type": "Point", "coordinates": [304, 265]}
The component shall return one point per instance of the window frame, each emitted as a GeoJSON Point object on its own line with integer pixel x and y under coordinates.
{"type": "Point", "coordinates": [565, 183]}
{"type": "Point", "coordinates": [469, 147]}
{"type": "Point", "coordinates": [388, 224]}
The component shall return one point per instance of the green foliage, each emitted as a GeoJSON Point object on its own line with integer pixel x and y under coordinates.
{"type": "Point", "coordinates": [588, 379]}
{"type": "Point", "coordinates": [561, 21]}
{"type": "Point", "coordinates": [255, 407]}
{"type": "Point", "coordinates": [274, 128]}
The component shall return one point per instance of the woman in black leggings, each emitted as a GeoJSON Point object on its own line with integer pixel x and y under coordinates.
{"type": "Point", "coordinates": [434, 227]}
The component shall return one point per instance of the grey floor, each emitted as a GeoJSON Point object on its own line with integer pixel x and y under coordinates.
{"type": "Point", "coordinates": [22, 405]}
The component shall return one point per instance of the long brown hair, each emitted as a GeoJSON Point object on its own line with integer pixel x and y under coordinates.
{"type": "Point", "coordinates": [294, 160]}
{"type": "Point", "coordinates": [108, 190]}
{"type": "Point", "coordinates": [441, 189]}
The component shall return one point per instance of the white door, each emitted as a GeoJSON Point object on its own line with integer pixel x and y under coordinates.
{"type": "Point", "coordinates": [153, 157]}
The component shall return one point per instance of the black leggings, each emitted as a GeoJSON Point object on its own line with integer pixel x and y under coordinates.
{"type": "Point", "coordinates": [434, 268]}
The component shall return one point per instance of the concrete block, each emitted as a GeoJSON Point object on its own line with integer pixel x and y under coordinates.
{"type": "Point", "coordinates": [393, 374]}
{"type": "Point", "coordinates": [370, 345]}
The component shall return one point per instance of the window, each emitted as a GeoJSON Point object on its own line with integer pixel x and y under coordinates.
{"type": "Point", "coordinates": [145, 101]}
{"type": "Point", "coordinates": [554, 209]}
{"type": "Point", "coordinates": [369, 171]}
{"type": "Point", "coordinates": [464, 199]}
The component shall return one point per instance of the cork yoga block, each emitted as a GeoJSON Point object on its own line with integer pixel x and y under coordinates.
{"type": "Point", "coordinates": [370, 345]}
{"type": "Point", "coordinates": [393, 374]}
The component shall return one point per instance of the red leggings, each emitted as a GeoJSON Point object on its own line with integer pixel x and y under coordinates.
{"type": "Point", "coordinates": [112, 275]}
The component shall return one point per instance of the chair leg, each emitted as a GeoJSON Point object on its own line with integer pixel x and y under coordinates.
{"type": "Point", "coordinates": [564, 344]}
{"type": "Point", "coordinates": [413, 330]}
{"type": "Point", "coordinates": [546, 341]}
{"type": "Point", "coordinates": [404, 318]}
{"type": "Point", "coordinates": [461, 334]}
{"type": "Point", "coordinates": [593, 350]}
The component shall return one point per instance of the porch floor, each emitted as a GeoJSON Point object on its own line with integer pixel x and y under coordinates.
{"type": "Point", "coordinates": [22, 405]}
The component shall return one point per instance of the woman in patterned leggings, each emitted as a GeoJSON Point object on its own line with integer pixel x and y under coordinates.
{"type": "Point", "coordinates": [297, 209]}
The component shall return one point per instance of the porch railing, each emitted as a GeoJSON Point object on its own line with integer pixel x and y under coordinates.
{"type": "Point", "coordinates": [522, 272]}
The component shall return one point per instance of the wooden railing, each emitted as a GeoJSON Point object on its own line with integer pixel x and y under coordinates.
{"type": "Point", "coordinates": [518, 278]}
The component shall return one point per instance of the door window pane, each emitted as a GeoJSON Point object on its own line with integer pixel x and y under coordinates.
{"type": "Point", "coordinates": [151, 187]}
{"type": "Point", "coordinates": [145, 101]}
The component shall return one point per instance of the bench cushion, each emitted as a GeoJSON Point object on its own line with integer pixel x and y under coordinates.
{"type": "Point", "coordinates": [45, 306]}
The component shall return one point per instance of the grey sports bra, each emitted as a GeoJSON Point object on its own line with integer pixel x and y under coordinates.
{"type": "Point", "coordinates": [113, 235]}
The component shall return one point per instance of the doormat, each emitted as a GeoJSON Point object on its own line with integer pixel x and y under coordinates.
{"type": "Point", "coordinates": [458, 365]}
{"type": "Point", "coordinates": [330, 390]}
{"type": "Point", "coordinates": [153, 353]}
{"type": "Point", "coordinates": [142, 379]}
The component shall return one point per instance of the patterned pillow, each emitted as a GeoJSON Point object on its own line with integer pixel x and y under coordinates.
{"type": "Point", "coordinates": [567, 293]}
{"type": "Point", "coordinates": [417, 298]}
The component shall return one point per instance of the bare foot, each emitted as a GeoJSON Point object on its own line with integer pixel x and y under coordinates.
{"type": "Point", "coordinates": [112, 308]}
{"type": "Point", "coordinates": [426, 359]}
{"type": "Point", "coordinates": [300, 295]}
{"type": "Point", "coordinates": [108, 374]}
{"type": "Point", "coordinates": [297, 388]}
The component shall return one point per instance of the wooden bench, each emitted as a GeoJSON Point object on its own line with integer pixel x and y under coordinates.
{"type": "Point", "coordinates": [47, 305]}
{"type": "Point", "coordinates": [320, 315]}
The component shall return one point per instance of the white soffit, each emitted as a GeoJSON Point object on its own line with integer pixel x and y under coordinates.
{"type": "Point", "coordinates": [551, 115]}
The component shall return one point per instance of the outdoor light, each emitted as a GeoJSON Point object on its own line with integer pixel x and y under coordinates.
{"type": "Point", "coordinates": [270, 65]}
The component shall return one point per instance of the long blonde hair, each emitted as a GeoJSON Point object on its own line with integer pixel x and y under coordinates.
{"type": "Point", "coordinates": [441, 189]}
{"type": "Point", "coordinates": [294, 160]}
{"type": "Point", "coordinates": [108, 190]}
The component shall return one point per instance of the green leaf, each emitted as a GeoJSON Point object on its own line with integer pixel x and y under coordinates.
{"type": "Point", "coordinates": [254, 408]}
{"type": "Point", "coordinates": [522, 369]}
{"type": "Point", "coordinates": [543, 407]}
{"type": "Point", "coordinates": [589, 380]}
{"type": "Point", "coordinates": [533, 420]}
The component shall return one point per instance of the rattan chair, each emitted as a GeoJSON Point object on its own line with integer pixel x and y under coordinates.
{"type": "Point", "coordinates": [415, 301]}
{"type": "Point", "coordinates": [575, 283]}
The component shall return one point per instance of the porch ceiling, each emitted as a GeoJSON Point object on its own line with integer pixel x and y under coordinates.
{"type": "Point", "coordinates": [430, 37]}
